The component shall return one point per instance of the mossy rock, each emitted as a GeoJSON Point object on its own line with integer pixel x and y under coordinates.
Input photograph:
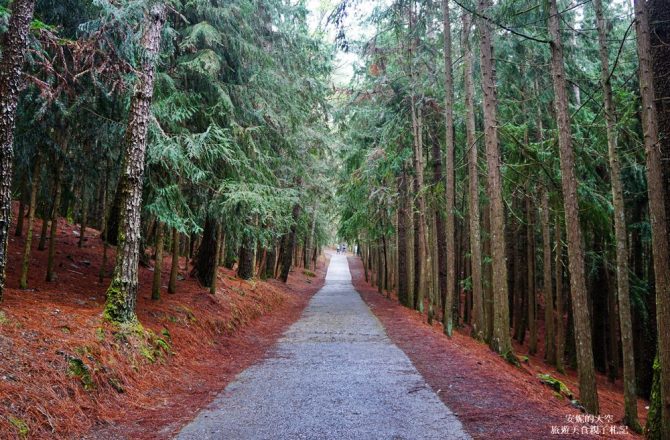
{"type": "Point", "coordinates": [511, 358]}
{"type": "Point", "coordinates": [162, 344]}
{"type": "Point", "coordinates": [166, 334]}
{"type": "Point", "coordinates": [21, 426]}
{"type": "Point", "coordinates": [556, 385]}
{"type": "Point", "coordinates": [309, 273]}
{"type": "Point", "coordinates": [77, 368]}
{"type": "Point", "coordinates": [190, 316]}
{"type": "Point", "coordinates": [116, 384]}
{"type": "Point", "coordinates": [149, 353]}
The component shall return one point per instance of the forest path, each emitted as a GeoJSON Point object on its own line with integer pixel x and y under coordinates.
{"type": "Point", "coordinates": [333, 375]}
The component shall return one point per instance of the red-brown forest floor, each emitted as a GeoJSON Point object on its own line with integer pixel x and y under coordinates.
{"type": "Point", "coordinates": [491, 397]}
{"type": "Point", "coordinates": [66, 374]}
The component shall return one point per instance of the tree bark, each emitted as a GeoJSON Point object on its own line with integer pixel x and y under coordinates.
{"type": "Point", "coordinates": [519, 291]}
{"type": "Point", "coordinates": [22, 208]}
{"type": "Point", "coordinates": [560, 300]}
{"type": "Point", "coordinates": [403, 242]}
{"type": "Point", "coordinates": [188, 251]}
{"type": "Point", "coordinates": [488, 275]}
{"type": "Point", "coordinates": [245, 268]}
{"type": "Point", "coordinates": [204, 266]}
{"type": "Point", "coordinates": [311, 238]}
{"type": "Point", "coordinates": [217, 260]}
{"type": "Point", "coordinates": [587, 379]}
{"type": "Point", "coordinates": [623, 295]}
{"type": "Point", "coordinates": [103, 227]}
{"type": "Point", "coordinates": [530, 282]}
{"type": "Point", "coordinates": [34, 188]}
{"type": "Point", "coordinates": [478, 326]}
{"type": "Point", "coordinates": [440, 237]}
{"type": "Point", "coordinates": [450, 184]}
{"type": "Point", "coordinates": [420, 254]}
{"type": "Point", "coordinates": [656, 190]}
{"type": "Point", "coordinates": [84, 217]}
{"type": "Point", "coordinates": [500, 340]}
{"type": "Point", "coordinates": [158, 265]}
{"type": "Point", "coordinates": [270, 261]}
{"type": "Point", "coordinates": [174, 268]}
{"type": "Point", "coordinates": [289, 244]}
{"type": "Point", "coordinates": [14, 44]}
{"type": "Point", "coordinates": [549, 334]}
{"type": "Point", "coordinates": [113, 217]}
{"type": "Point", "coordinates": [45, 226]}
{"type": "Point", "coordinates": [380, 265]}
{"type": "Point", "coordinates": [55, 210]}
{"type": "Point", "coordinates": [122, 292]}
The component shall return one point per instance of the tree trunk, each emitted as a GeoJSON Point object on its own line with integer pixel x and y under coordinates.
{"type": "Point", "coordinates": [473, 179]}
{"type": "Point", "coordinates": [500, 341]}
{"type": "Point", "coordinates": [270, 261]}
{"type": "Point", "coordinates": [587, 379]}
{"type": "Point", "coordinates": [420, 260]}
{"type": "Point", "coordinates": [18, 232]}
{"type": "Point", "coordinates": [549, 334]}
{"type": "Point", "coordinates": [188, 251]}
{"type": "Point", "coordinates": [560, 300]}
{"type": "Point", "coordinates": [103, 227]}
{"type": "Point", "coordinates": [309, 243]}
{"type": "Point", "coordinates": [174, 268]}
{"type": "Point", "coordinates": [158, 265]}
{"type": "Point", "coordinates": [450, 187]}
{"type": "Point", "coordinates": [403, 241]}
{"type": "Point", "coordinates": [613, 326]}
{"type": "Point", "coordinates": [113, 217]}
{"type": "Point", "coordinates": [245, 268]}
{"type": "Point", "coordinates": [386, 267]}
{"type": "Point", "coordinates": [518, 239]}
{"type": "Point", "coordinates": [204, 266]}
{"type": "Point", "coordinates": [380, 276]}
{"type": "Point", "coordinates": [656, 189]}
{"type": "Point", "coordinates": [217, 260]}
{"type": "Point", "coordinates": [488, 291]}
{"type": "Point", "coordinates": [34, 188]}
{"type": "Point", "coordinates": [84, 217]}
{"type": "Point", "coordinates": [58, 191]}
{"type": "Point", "coordinates": [289, 244]}
{"type": "Point", "coordinates": [45, 227]}
{"type": "Point", "coordinates": [122, 292]}
{"type": "Point", "coordinates": [530, 282]}
{"type": "Point", "coordinates": [440, 238]}
{"type": "Point", "coordinates": [625, 322]}
{"type": "Point", "coordinates": [14, 44]}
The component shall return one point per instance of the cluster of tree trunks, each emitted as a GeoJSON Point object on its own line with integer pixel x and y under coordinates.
{"type": "Point", "coordinates": [527, 265]}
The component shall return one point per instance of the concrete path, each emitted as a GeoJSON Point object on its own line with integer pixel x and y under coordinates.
{"type": "Point", "coordinates": [333, 375]}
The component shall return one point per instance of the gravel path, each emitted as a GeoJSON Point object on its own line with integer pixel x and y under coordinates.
{"type": "Point", "coordinates": [333, 375]}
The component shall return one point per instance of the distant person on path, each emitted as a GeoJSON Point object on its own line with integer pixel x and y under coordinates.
{"type": "Point", "coordinates": [338, 248]}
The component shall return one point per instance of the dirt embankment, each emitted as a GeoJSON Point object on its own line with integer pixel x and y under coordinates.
{"type": "Point", "coordinates": [492, 398]}
{"type": "Point", "coordinates": [66, 374]}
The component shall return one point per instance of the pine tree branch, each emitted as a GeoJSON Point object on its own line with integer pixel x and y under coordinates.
{"type": "Point", "coordinates": [502, 26]}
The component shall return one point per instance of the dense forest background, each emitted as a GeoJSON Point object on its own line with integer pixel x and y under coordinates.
{"type": "Point", "coordinates": [196, 127]}
{"type": "Point", "coordinates": [505, 169]}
